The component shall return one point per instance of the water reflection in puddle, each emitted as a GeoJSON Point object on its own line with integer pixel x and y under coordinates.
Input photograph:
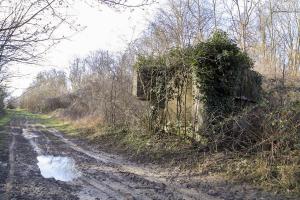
{"type": "Point", "coordinates": [60, 168]}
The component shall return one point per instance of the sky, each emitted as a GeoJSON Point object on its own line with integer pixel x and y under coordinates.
{"type": "Point", "coordinates": [106, 28]}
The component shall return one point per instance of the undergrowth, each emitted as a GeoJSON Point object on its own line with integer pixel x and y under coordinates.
{"type": "Point", "coordinates": [261, 146]}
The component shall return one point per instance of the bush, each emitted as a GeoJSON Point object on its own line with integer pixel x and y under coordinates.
{"type": "Point", "coordinates": [260, 128]}
{"type": "Point", "coordinates": [53, 103]}
{"type": "Point", "coordinates": [224, 73]}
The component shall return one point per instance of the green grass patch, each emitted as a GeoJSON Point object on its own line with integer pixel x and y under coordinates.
{"type": "Point", "coordinates": [46, 120]}
{"type": "Point", "coordinates": [5, 118]}
{"type": "Point", "coordinates": [61, 125]}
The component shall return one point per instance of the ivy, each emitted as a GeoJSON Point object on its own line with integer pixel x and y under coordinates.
{"type": "Point", "coordinates": [165, 75]}
{"type": "Point", "coordinates": [165, 78]}
{"type": "Point", "coordinates": [222, 72]}
{"type": "Point", "coordinates": [222, 69]}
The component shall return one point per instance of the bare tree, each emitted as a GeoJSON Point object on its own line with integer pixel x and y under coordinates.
{"type": "Point", "coordinates": [242, 15]}
{"type": "Point", "coordinates": [28, 29]}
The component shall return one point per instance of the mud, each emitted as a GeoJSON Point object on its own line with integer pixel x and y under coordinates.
{"type": "Point", "coordinates": [44, 164]}
{"type": "Point", "coordinates": [4, 160]}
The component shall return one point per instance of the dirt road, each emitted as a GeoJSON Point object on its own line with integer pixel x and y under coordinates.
{"type": "Point", "coordinates": [43, 164]}
{"type": "Point", "coordinates": [39, 163]}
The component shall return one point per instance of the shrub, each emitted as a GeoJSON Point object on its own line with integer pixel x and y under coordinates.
{"type": "Point", "coordinates": [224, 73]}
{"type": "Point", "coordinates": [259, 128]}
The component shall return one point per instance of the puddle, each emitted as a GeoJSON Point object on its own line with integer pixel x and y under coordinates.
{"type": "Point", "coordinates": [59, 168]}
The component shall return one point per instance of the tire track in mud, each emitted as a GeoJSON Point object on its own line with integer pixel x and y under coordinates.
{"type": "Point", "coordinates": [11, 172]}
{"type": "Point", "coordinates": [103, 176]}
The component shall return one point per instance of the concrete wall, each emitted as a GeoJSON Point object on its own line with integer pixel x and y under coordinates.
{"type": "Point", "coordinates": [192, 110]}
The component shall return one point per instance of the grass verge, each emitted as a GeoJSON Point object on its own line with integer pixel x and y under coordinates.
{"type": "Point", "coordinates": [6, 117]}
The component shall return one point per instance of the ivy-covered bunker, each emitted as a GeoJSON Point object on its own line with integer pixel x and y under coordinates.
{"type": "Point", "coordinates": [185, 86]}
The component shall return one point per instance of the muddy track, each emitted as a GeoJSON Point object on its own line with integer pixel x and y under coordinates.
{"type": "Point", "coordinates": [43, 164]}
